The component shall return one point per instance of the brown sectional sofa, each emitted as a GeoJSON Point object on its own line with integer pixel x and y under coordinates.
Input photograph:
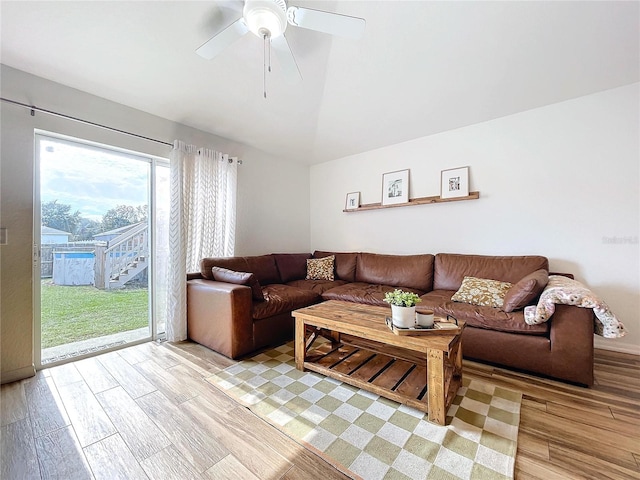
{"type": "Point", "coordinates": [226, 318]}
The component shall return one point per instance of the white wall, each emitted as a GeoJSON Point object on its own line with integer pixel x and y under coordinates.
{"type": "Point", "coordinates": [560, 181]}
{"type": "Point", "coordinates": [273, 200]}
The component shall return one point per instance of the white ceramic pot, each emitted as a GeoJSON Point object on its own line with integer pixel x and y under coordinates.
{"type": "Point", "coordinates": [425, 318]}
{"type": "Point", "coordinates": [403, 317]}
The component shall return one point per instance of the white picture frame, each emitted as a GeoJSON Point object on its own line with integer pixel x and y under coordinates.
{"type": "Point", "coordinates": [454, 183]}
{"type": "Point", "coordinates": [395, 187]}
{"type": "Point", "coordinates": [353, 201]}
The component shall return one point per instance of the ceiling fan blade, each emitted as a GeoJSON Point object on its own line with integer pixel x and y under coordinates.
{"type": "Point", "coordinates": [326, 22]}
{"type": "Point", "coordinates": [222, 40]}
{"type": "Point", "coordinates": [285, 59]}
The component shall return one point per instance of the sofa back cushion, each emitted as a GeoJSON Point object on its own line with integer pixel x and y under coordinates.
{"type": "Point", "coordinates": [412, 271]}
{"type": "Point", "coordinates": [345, 264]}
{"type": "Point", "coordinates": [292, 266]}
{"type": "Point", "coordinates": [450, 269]}
{"type": "Point", "coordinates": [238, 264]}
{"type": "Point", "coordinates": [264, 268]}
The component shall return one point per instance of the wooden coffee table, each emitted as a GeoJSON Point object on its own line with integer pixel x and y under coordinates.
{"type": "Point", "coordinates": [422, 371]}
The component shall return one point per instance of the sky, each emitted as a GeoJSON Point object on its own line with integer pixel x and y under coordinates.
{"type": "Point", "coordinates": [91, 180]}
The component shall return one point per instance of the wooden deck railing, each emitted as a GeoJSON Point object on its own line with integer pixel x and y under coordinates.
{"type": "Point", "coordinates": [114, 260]}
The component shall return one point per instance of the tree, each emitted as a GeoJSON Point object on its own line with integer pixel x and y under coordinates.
{"type": "Point", "coordinates": [123, 215]}
{"type": "Point", "coordinates": [86, 229]}
{"type": "Point", "coordinates": [59, 216]}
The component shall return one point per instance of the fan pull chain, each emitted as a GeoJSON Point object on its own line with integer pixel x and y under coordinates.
{"type": "Point", "coordinates": [264, 65]}
{"type": "Point", "coordinates": [266, 54]}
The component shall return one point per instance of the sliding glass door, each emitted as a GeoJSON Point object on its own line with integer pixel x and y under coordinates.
{"type": "Point", "coordinates": [101, 235]}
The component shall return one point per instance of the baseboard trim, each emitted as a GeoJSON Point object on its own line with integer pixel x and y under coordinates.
{"type": "Point", "coordinates": [620, 347]}
{"type": "Point", "coordinates": [18, 374]}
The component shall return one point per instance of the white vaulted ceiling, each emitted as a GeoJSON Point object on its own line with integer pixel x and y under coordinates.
{"type": "Point", "coordinates": [421, 67]}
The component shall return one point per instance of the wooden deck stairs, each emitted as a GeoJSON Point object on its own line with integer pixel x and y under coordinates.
{"type": "Point", "coordinates": [123, 258]}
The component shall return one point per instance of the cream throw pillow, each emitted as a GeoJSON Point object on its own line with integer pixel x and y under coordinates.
{"type": "Point", "coordinates": [482, 292]}
{"type": "Point", "coordinates": [320, 268]}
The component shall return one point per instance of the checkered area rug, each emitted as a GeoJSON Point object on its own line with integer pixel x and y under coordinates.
{"type": "Point", "coordinates": [370, 437]}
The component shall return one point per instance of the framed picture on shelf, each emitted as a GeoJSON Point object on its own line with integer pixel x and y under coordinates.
{"type": "Point", "coordinates": [353, 201]}
{"type": "Point", "coordinates": [454, 183]}
{"type": "Point", "coordinates": [395, 187]}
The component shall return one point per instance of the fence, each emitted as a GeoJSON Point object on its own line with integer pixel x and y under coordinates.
{"type": "Point", "coordinates": [46, 261]}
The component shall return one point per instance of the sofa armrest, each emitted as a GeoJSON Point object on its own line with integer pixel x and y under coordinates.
{"type": "Point", "coordinates": [219, 316]}
{"type": "Point", "coordinates": [571, 336]}
{"type": "Point", "coordinates": [194, 276]}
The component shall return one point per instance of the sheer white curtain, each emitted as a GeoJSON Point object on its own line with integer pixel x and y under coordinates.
{"type": "Point", "coordinates": [202, 221]}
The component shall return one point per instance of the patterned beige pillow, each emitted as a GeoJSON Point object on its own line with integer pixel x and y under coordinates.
{"type": "Point", "coordinates": [482, 292]}
{"type": "Point", "coordinates": [320, 268]}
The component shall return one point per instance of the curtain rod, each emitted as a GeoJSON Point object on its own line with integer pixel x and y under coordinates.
{"type": "Point", "coordinates": [34, 109]}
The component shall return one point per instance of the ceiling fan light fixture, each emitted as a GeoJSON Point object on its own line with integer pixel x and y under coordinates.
{"type": "Point", "coordinates": [266, 17]}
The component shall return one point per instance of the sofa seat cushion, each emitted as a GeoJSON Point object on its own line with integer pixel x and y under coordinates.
{"type": "Point", "coordinates": [318, 286]}
{"type": "Point", "coordinates": [281, 299]}
{"type": "Point", "coordinates": [476, 316]}
{"type": "Point", "coordinates": [434, 299]}
{"type": "Point", "coordinates": [360, 292]}
{"type": "Point", "coordinates": [493, 318]}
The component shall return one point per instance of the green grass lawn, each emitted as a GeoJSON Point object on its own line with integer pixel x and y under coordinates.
{"type": "Point", "coordinates": [70, 314]}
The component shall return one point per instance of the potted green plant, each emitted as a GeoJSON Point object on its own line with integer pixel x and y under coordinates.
{"type": "Point", "coordinates": [403, 307]}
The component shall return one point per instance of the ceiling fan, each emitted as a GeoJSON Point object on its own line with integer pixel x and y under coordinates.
{"type": "Point", "coordinates": [268, 20]}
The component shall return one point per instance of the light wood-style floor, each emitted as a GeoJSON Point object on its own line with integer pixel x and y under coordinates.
{"type": "Point", "coordinates": [146, 412]}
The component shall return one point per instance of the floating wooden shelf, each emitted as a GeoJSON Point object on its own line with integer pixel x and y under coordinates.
{"type": "Point", "coordinates": [414, 201]}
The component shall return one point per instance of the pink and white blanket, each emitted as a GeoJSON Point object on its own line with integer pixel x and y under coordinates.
{"type": "Point", "coordinates": [565, 291]}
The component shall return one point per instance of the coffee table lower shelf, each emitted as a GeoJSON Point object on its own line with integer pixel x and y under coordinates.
{"type": "Point", "coordinates": [402, 380]}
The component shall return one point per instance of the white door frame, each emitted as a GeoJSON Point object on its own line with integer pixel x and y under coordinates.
{"type": "Point", "coordinates": [154, 163]}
